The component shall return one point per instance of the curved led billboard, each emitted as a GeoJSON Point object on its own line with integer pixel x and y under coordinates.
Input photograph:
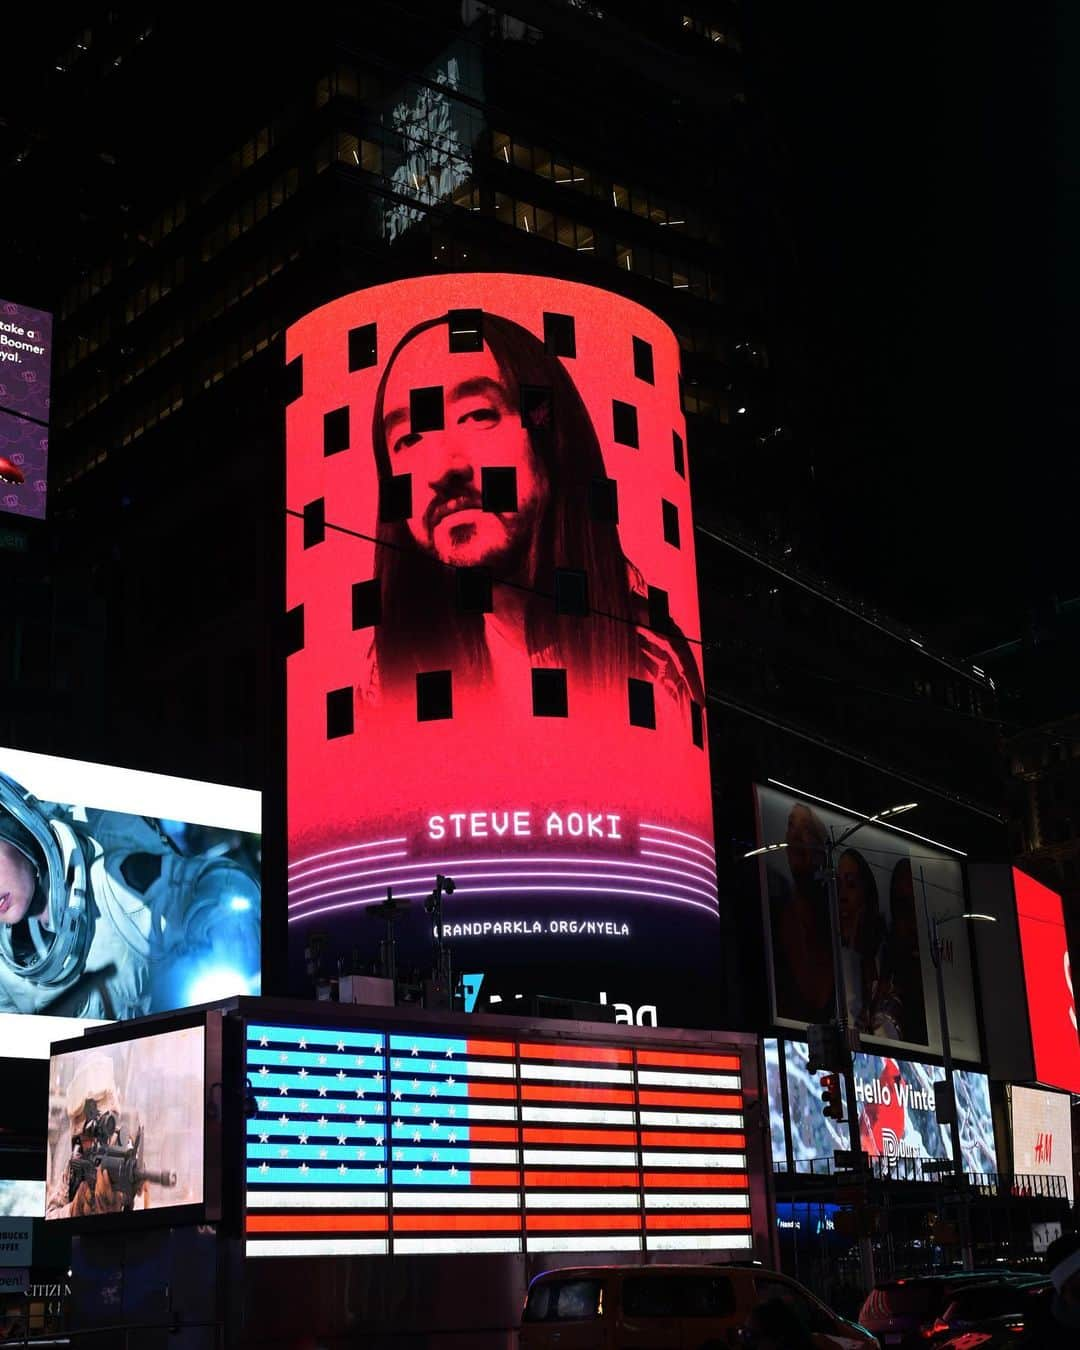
{"type": "Point", "coordinates": [496, 671]}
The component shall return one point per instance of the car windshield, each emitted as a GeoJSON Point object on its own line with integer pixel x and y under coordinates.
{"type": "Point", "coordinates": [563, 1301]}
{"type": "Point", "coordinates": [906, 1298]}
{"type": "Point", "coordinates": [989, 1300]}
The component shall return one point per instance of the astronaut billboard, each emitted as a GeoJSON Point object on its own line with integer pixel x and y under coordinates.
{"type": "Point", "coordinates": [126, 1124]}
{"type": "Point", "coordinates": [121, 894]}
{"type": "Point", "coordinates": [25, 369]}
{"type": "Point", "coordinates": [496, 669]}
{"type": "Point", "coordinates": [887, 879]}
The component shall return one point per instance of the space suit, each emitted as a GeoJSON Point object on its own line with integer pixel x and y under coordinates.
{"type": "Point", "coordinates": [123, 923]}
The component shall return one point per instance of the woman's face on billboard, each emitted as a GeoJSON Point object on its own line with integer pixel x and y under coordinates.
{"type": "Point", "coordinates": [481, 429]}
{"type": "Point", "coordinates": [17, 882]}
{"type": "Point", "coordinates": [851, 894]}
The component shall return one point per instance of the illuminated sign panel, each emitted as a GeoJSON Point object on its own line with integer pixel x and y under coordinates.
{"type": "Point", "coordinates": [121, 894]}
{"type": "Point", "coordinates": [896, 1104]}
{"type": "Point", "coordinates": [126, 1125]}
{"type": "Point", "coordinates": [498, 670]}
{"type": "Point", "coordinates": [25, 369]}
{"type": "Point", "coordinates": [376, 1142]}
{"type": "Point", "coordinates": [889, 975]}
{"type": "Point", "coordinates": [1042, 1134]}
{"type": "Point", "coordinates": [1048, 975]}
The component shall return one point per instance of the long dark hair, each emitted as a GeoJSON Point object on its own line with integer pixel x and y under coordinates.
{"type": "Point", "coordinates": [422, 626]}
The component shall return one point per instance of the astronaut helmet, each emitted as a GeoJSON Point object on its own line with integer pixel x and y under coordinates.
{"type": "Point", "coordinates": [50, 949]}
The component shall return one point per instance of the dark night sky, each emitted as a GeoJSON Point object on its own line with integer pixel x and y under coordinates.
{"type": "Point", "coordinates": [923, 154]}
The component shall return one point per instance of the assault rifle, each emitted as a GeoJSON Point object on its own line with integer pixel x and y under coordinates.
{"type": "Point", "coordinates": [116, 1153]}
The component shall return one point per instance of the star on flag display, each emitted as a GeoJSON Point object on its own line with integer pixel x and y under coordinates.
{"type": "Point", "coordinates": [384, 1142]}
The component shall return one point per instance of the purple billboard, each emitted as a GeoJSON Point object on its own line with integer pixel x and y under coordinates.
{"type": "Point", "coordinates": [25, 365]}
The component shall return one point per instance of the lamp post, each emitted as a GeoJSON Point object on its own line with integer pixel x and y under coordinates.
{"type": "Point", "coordinates": [934, 923]}
{"type": "Point", "coordinates": [848, 1042]}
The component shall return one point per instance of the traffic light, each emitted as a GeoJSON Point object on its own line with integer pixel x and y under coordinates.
{"type": "Point", "coordinates": [832, 1103]}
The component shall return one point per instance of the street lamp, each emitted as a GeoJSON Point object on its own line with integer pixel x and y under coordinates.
{"type": "Point", "coordinates": [933, 925]}
{"type": "Point", "coordinates": [848, 1042]}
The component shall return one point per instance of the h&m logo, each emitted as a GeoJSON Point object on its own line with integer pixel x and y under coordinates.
{"type": "Point", "coordinates": [1044, 1147]}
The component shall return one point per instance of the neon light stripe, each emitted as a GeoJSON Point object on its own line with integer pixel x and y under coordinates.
{"type": "Point", "coordinates": [423, 1246]}
{"type": "Point", "coordinates": [348, 848]}
{"type": "Point", "coordinates": [579, 1114]}
{"type": "Point", "coordinates": [591, 1157]}
{"type": "Point", "coordinates": [661, 1078]}
{"type": "Point", "coordinates": [531, 891]}
{"type": "Point", "coordinates": [730, 1222]}
{"type": "Point", "coordinates": [554, 1136]}
{"type": "Point", "coordinates": [724, 1181]}
{"type": "Point", "coordinates": [683, 848]}
{"type": "Point", "coordinates": [681, 1060]}
{"type": "Point", "coordinates": [487, 1134]}
{"type": "Point", "coordinates": [536, 1092]}
{"type": "Point", "coordinates": [317, 1247]}
{"type": "Point", "coordinates": [373, 857]}
{"type": "Point", "coordinates": [316, 1152]}
{"type": "Point", "coordinates": [594, 1054]}
{"type": "Point", "coordinates": [501, 1090]}
{"type": "Point", "coordinates": [715, 1120]}
{"type": "Point", "coordinates": [669, 1242]}
{"type": "Point", "coordinates": [731, 1101]}
{"type": "Point", "coordinates": [314, 1176]}
{"type": "Point", "coordinates": [458, 1069]}
{"type": "Point", "coordinates": [694, 884]}
{"type": "Point", "coordinates": [693, 1159]}
{"type": "Point", "coordinates": [683, 834]}
{"type": "Point", "coordinates": [677, 1139]}
{"type": "Point", "coordinates": [699, 1200]}
{"type": "Point", "coordinates": [707, 873]}
{"type": "Point", "coordinates": [317, 1223]}
{"type": "Point", "coordinates": [464, 865]}
{"type": "Point", "coordinates": [585, 1200]}
{"type": "Point", "coordinates": [369, 1042]}
{"type": "Point", "coordinates": [453, 1223]}
{"type": "Point", "coordinates": [541, 1223]}
{"type": "Point", "coordinates": [441, 1176]}
{"type": "Point", "coordinates": [315, 1199]}
{"type": "Point", "coordinates": [612, 1243]}
{"type": "Point", "coordinates": [469, 1200]}
{"type": "Point", "coordinates": [476, 1047]}
{"type": "Point", "coordinates": [563, 1073]}
{"type": "Point", "coordinates": [422, 1154]}
{"type": "Point", "coordinates": [553, 1178]}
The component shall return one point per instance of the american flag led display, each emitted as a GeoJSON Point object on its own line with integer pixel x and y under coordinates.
{"type": "Point", "coordinates": [387, 1142]}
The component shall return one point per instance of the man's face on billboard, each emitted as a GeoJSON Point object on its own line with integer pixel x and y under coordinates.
{"type": "Point", "coordinates": [481, 429]}
{"type": "Point", "coordinates": [805, 840]}
{"type": "Point", "coordinates": [17, 882]}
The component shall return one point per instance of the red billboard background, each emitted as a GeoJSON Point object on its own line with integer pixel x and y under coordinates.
{"type": "Point", "coordinates": [557, 821]}
{"type": "Point", "coordinates": [1048, 975]}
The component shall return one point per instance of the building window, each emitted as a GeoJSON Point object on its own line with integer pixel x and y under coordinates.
{"type": "Point", "coordinates": [642, 704]}
{"type": "Point", "coordinates": [434, 696]}
{"type": "Point", "coordinates": [604, 500]}
{"type": "Point", "coordinates": [624, 423]}
{"type": "Point", "coordinates": [363, 347]}
{"type": "Point", "coordinates": [549, 693]}
{"type": "Point", "coordinates": [336, 431]}
{"type": "Point", "coordinates": [395, 497]}
{"type": "Point", "coordinates": [498, 489]}
{"type": "Point", "coordinates": [643, 360]}
{"type": "Point", "coordinates": [366, 604]}
{"type": "Point", "coordinates": [314, 522]}
{"type": "Point", "coordinates": [571, 591]}
{"type": "Point", "coordinates": [339, 713]}
{"type": "Point", "coordinates": [671, 523]}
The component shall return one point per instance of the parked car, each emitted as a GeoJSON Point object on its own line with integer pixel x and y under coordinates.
{"type": "Point", "coordinates": [899, 1312]}
{"type": "Point", "coordinates": [991, 1319]}
{"type": "Point", "coordinates": [668, 1308]}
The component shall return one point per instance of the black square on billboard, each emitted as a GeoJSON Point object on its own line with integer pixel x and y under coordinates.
{"type": "Point", "coordinates": [697, 726]}
{"type": "Point", "coordinates": [315, 522]}
{"type": "Point", "coordinates": [536, 407]}
{"type": "Point", "coordinates": [335, 431]}
{"type": "Point", "coordinates": [363, 347]}
{"type": "Point", "coordinates": [366, 604]}
{"type": "Point", "coordinates": [671, 523]}
{"type": "Point", "coordinates": [339, 713]}
{"type": "Point", "coordinates": [434, 697]}
{"type": "Point", "coordinates": [395, 497]}
{"type": "Point", "coordinates": [679, 453]}
{"type": "Point", "coordinates": [474, 590]}
{"type": "Point", "coordinates": [642, 704]}
{"type": "Point", "coordinates": [604, 500]}
{"type": "Point", "coordinates": [549, 693]}
{"type": "Point", "coordinates": [659, 613]}
{"type": "Point", "coordinates": [643, 360]}
{"type": "Point", "coordinates": [571, 591]}
{"type": "Point", "coordinates": [498, 489]}
{"type": "Point", "coordinates": [426, 409]}
{"type": "Point", "coordinates": [624, 423]}
{"type": "Point", "coordinates": [294, 630]}
{"type": "Point", "coordinates": [559, 336]}
{"type": "Point", "coordinates": [294, 379]}
{"type": "Point", "coordinates": [466, 330]}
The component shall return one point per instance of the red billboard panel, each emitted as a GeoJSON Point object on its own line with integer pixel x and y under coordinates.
{"type": "Point", "coordinates": [497, 667]}
{"type": "Point", "coordinates": [1048, 975]}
